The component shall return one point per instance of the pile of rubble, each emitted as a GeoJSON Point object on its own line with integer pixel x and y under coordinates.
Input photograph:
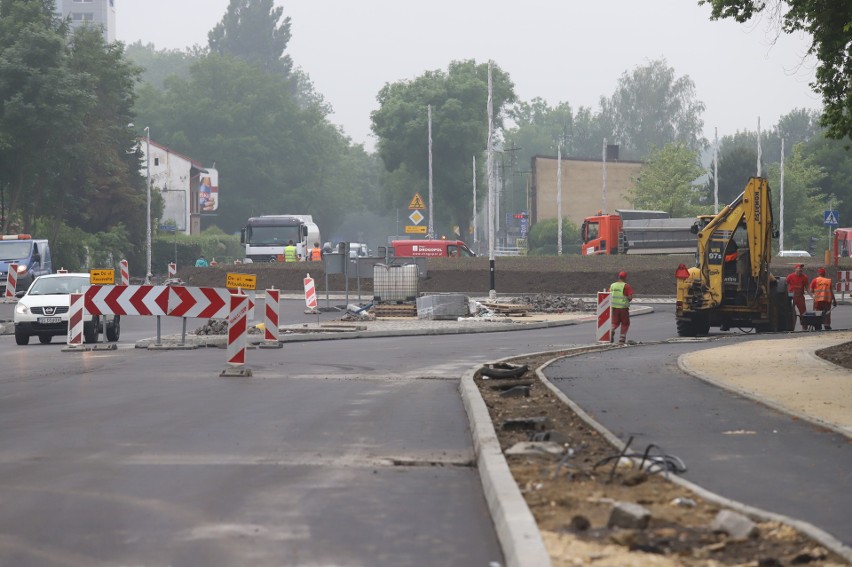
{"type": "Point", "coordinates": [220, 327]}
{"type": "Point", "coordinates": [553, 303]}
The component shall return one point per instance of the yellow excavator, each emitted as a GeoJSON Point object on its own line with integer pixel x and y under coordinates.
{"type": "Point", "coordinates": [731, 285]}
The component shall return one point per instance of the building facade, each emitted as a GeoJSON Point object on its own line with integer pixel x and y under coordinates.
{"type": "Point", "coordinates": [90, 12]}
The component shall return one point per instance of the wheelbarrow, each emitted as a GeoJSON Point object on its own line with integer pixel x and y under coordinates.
{"type": "Point", "coordinates": [812, 321]}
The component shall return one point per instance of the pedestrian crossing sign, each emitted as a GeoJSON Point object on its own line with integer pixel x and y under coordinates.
{"type": "Point", "coordinates": [831, 218]}
{"type": "Point", "coordinates": [416, 203]}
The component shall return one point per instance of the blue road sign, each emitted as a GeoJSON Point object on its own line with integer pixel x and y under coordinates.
{"type": "Point", "coordinates": [831, 218]}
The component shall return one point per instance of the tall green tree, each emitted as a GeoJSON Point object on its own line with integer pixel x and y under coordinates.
{"type": "Point", "coordinates": [459, 131]}
{"type": "Point", "coordinates": [828, 23]}
{"type": "Point", "coordinates": [651, 107]}
{"type": "Point", "coordinates": [737, 162]}
{"type": "Point", "coordinates": [250, 30]}
{"type": "Point", "coordinates": [668, 182]}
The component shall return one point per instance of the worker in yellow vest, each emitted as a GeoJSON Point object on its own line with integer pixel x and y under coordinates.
{"type": "Point", "coordinates": [621, 294]}
{"type": "Point", "coordinates": [290, 252]}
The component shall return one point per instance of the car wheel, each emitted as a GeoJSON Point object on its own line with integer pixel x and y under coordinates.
{"type": "Point", "coordinates": [90, 332]}
{"type": "Point", "coordinates": [114, 330]}
{"type": "Point", "coordinates": [22, 339]}
{"type": "Point", "coordinates": [45, 339]}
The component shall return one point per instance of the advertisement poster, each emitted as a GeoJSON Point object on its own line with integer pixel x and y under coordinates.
{"type": "Point", "coordinates": [208, 191]}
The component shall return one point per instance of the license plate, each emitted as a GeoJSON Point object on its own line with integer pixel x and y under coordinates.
{"type": "Point", "coordinates": [49, 320]}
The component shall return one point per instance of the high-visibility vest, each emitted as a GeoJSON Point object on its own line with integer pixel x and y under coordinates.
{"type": "Point", "coordinates": [822, 289]}
{"type": "Point", "coordinates": [290, 253]}
{"type": "Point", "coordinates": [316, 254]}
{"type": "Point", "coordinates": [618, 299]}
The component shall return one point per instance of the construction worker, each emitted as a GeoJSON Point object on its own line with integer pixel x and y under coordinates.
{"type": "Point", "coordinates": [201, 262]}
{"type": "Point", "coordinates": [797, 285]}
{"type": "Point", "coordinates": [315, 254]}
{"type": "Point", "coordinates": [290, 252]}
{"type": "Point", "coordinates": [824, 299]}
{"type": "Point", "coordinates": [621, 296]}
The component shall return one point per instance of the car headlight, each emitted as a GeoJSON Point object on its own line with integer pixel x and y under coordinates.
{"type": "Point", "coordinates": [21, 309]}
{"type": "Point", "coordinates": [22, 269]}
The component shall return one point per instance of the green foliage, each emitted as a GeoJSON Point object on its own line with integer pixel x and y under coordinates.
{"type": "Point", "coordinates": [828, 24]}
{"type": "Point", "coordinates": [544, 237]}
{"type": "Point", "coordinates": [668, 182]}
{"type": "Point", "coordinates": [459, 131]}
{"type": "Point", "coordinates": [184, 250]}
{"type": "Point", "coordinates": [804, 202]}
{"type": "Point", "coordinates": [159, 65]}
{"type": "Point", "coordinates": [250, 31]}
{"type": "Point", "coordinates": [652, 107]}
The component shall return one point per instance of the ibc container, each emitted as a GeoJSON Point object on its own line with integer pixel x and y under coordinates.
{"type": "Point", "coordinates": [395, 283]}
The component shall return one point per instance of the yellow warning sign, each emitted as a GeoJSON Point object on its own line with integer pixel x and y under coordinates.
{"type": "Point", "coordinates": [416, 203]}
{"type": "Point", "coordinates": [102, 277]}
{"type": "Point", "coordinates": [244, 281]}
{"type": "Point", "coordinates": [415, 229]}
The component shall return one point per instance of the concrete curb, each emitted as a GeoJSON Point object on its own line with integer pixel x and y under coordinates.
{"type": "Point", "coordinates": [818, 535]}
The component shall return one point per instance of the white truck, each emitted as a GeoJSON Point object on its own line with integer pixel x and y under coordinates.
{"type": "Point", "coordinates": [266, 236]}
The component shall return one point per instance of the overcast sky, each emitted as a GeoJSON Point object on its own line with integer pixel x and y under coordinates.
{"type": "Point", "coordinates": [564, 50]}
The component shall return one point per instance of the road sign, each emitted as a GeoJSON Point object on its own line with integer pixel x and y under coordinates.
{"type": "Point", "coordinates": [831, 218]}
{"type": "Point", "coordinates": [416, 217]}
{"type": "Point", "coordinates": [416, 203]}
{"type": "Point", "coordinates": [244, 281]}
{"type": "Point", "coordinates": [102, 277]}
{"type": "Point", "coordinates": [415, 229]}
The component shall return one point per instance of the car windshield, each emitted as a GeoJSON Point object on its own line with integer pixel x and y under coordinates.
{"type": "Point", "coordinates": [59, 286]}
{"type": "Point", "coordinates": [15, 249]}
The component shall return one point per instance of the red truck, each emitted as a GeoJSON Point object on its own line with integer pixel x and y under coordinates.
{"type": "Point", "coordinates": [637, 232]}
{"type": "Point", "coordinates": [430, 249]}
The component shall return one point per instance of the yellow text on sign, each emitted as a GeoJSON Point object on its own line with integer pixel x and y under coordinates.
{"type": "Point", "coordinates": [102, 277]}
{"type": "Point", "coordinates": [416, 203]}
{"type": "Point", "coordinates": [244, 281]}
{"type": "Point", "coordinates": [415, 229]}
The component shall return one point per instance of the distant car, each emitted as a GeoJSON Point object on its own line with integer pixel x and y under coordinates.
{"type": "Point", "coordinates": [42, 310]}
{"type": "Point", "coordinates": [794, 254]}
{"type": "Point", "coordinates": [358, 250]}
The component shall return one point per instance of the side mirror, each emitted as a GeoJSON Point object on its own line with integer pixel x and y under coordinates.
{"type": "Point", "coordinates": [20, 294]}
{"type": "Point", "coordinates": [242, 235]}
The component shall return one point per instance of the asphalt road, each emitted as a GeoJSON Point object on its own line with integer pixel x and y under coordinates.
{"type": "Point", "coordinates": [352, 452]}
{"type": "Point", "coordinates": [733, 446]}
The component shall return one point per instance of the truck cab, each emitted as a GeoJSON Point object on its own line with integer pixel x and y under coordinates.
{"type": "Point", "coordinates": [31, 256]}
{"type": "Point", "coordinates": [599, 234]}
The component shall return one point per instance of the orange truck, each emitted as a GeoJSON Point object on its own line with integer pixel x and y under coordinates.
{"type": "Point", "coordinates": [637, 232]}
{"type": "Point", "coordinates": [430, 249]}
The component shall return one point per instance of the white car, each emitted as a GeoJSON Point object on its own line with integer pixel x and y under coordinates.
{"type": "Point", "coordinates": [794, 254]}
{"type": "Point", "coordinates": [42, 310]}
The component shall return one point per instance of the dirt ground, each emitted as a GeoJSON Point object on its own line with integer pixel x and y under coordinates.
{"type": "Point", "coordinates": [571, 498]}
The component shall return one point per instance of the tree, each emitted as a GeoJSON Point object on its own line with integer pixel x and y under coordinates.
{"type": "Point", "coordinates": [544, 235]}
{"type": "Point", "coordinates": [651, 107]}
{"type": "Point", "coordinates": [250, 31]}
{"type": "Point", "coordinates": [828, 24]}
{"type": "Point", "coordinates": [668, 182]}
{"type": "Point", "coordinates": [737, 163]}
{"type": "Point", "coordinates": [804, 201]}
{"type": "Point", "coordinates": [459, 132]}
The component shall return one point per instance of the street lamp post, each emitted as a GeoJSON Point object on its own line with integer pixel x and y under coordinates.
{"type": "Point", "coordinates": [148, 273]}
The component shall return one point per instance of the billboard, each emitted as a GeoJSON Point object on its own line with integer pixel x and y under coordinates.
{"type": "Point", "coordinates": [208, 191]}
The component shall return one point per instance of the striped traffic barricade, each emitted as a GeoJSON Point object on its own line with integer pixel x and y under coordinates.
{"type": "Point", "coordinates": [310, 295]}
{"type": "Point", "coordinates": [11, 283]}
{"type": "Point", "coordinates": [271, 310]}
{"type": "Point", "coordinates": [76, 317]}
{"type": "Point", "coordinates": [172, 270]}
{"type": "Point", "coordinates": [604, 313]}
{"type": "Point", "coordinates": [125, 272]}
{"type": "Point", "coordinates": [237, 335]}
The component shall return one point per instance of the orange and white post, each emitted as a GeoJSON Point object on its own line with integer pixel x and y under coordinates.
{"type": "Point", "coordinates": [310, 294]}
{"type": "Point", "coordinates": [11, 282]}
{"type": "Point", "coordinates": [604, 312]}
{"type": "Point", "coordinates": [237, 334]}
{"type": "Point", "coordinates": [271, 310]}
{"type": "Point", "coordinates": [125, 272]}
{"type": "Point", "coordinates": [172, 270]}
{"type": "Point", "coordinates": [76, 319]}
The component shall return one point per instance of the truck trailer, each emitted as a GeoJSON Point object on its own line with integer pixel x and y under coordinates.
{"type": "Point", "coordinates": [637, 232]}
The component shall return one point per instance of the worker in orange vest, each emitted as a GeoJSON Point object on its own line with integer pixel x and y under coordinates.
{"type": "Point", "coordinates": [824, 299]}
{"type": "Point", "coordinates": [315, 255]}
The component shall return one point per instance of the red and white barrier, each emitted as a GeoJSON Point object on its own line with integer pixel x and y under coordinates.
{"type": "Point", "coordinates": [270, 321]}
{"type": "Point", "coordinates": [172, 270]}
{"type": "Point", "coordinates": [844, 280]}
{"type": "Point", "coordinates": [11, 281]}
{"type": "Point", "coordinates": [310, 294]}
{"type": "Point", "coordinates": [75, 320]}
{"type": "Point", "coordinates": [252, 295]}
{"type": "Point", "coordinates": [147, 300]}
{"type": "Point", "coordinates": [237, 333]}
{"type": "Point", "coordinates": [203, 302]}
{"type": "Point", "coordinates": [604, 312]}
{"type": "Point", "coordinates": [125, 272]}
